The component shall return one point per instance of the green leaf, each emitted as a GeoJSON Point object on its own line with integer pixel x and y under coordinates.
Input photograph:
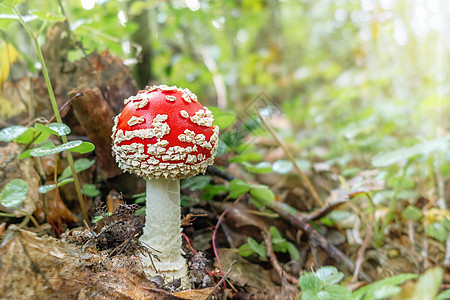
{"type": "Point", "coordinates": [245, 250]}
{"type": "Point", "coordinates": [140, 200]}
{"type": "Point", "coordinates": [392, 157]}
{"type": "Point", "coordinates": [311, 282]}
{"type": "Point", "coordinates": [58, 129]}
{"type": "Point", "coordinates": [46, 188]}
{"type": "Point", "coordinates": [323, 295]}
{"type": "Point", "coordinates": [437, 231]}
{"type": "Point", "coordinates": [262, 167]}
{"type": "Point", "coordinates": [389, 158]}
{"type": "Point", "coordinates": [282, 166]}
{"type": "Point", "coordinates": [14, 193]}
{"type": "Point", "coordinates": [223, 119]}
{"type": "Point", "coordinates": [80, 165]}
{"type": "Point", "coordinates": [339, 292]}
{"type": "Point", "coordinates": [386, 291]}
{"type": "Point", "coordinates": [11, 3]}
{"type": "Point", "coordinates": [238, 187]}
{"type": "Point", "coordinates": [412, 213]}
{"type": "Point", "coordinates": [9, 134]}
{"type": "Point", "coordinates": [276, 235]}
{"type": "Point", "coordinates": [329, 274]}
{"type": "Point", "coordinates": [259, 249]}
{"type": "Point", "coordinates": [221, 148]}
{"type": "Point", "coordinates": [140, 211]}
{"type": "Point", "coordinates": [84, 147]}
{"type": "Point", "coordinates": [427, 287]}
{"type": "Point", "coordinates": [293, 251]}
{"type": "Point", "coordinates": [39, 138]}
{"type": "Point", "coordinates": [309, 295]}
{"type": "Point", "coordinates": [47, 150]}
{"type": "Point", "coordinates": [369, 290]}
{"type": "Point", "coordinates": [48, 16]}
{"type": "Point", "coordinates": [261, 196]}
{"type": "Point", "coordinates": [444, 295]}
{"type": "Point", "coordinates": [213, 190]}
{"type": "Point", "coordinates": [196, 183]}
{"type": "Point", "coordinates": [90, 190]}
{"type": "Point", "coordinates": [97, 219]}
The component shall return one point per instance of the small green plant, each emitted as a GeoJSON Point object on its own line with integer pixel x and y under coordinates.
{"type": "Point", "coordinates": [260, 195]}
{"type": "Point", "coordinates": [279, 244]}
{"type": "Point", "coordinates": [50, 148]}
{"type": "Point", "coordinates": [323, 284]}
{"type": "Point", "coordinates": [408, 154]}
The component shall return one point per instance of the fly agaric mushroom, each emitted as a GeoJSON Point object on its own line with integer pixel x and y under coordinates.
{"type": "Point", "coordinates": [164, 134]}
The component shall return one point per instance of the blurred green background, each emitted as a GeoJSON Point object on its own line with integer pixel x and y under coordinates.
{"type": "Point", "coordinates": [353, 77]}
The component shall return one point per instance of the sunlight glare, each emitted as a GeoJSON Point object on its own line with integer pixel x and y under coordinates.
{"type": "Point", "coordinates": [193, 5]}
{"type": "Point", "coordinates": [88, 4]}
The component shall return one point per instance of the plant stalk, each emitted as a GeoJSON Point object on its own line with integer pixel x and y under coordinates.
{"type": "Point", "coordinates": [390, 214]}
{"type": "Point", "coordinates": [55, 111]}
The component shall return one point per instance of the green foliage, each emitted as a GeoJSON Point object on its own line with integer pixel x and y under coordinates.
{"type": "Point", "coordinates": [252, 246]}
{"type": "Point", "coordinates": [196, 183]}
{"type": "Point", "coordinates": [424, 148]}
{"type": "Point", "coordinates": [279, 244]}
{"type": "Point", "coordinates": [80, 165]}
{"type": "Point", "coordinates": [38, 136]}
{"type": "Point", "coordinates": [238, 188]}
{"type": "Point", "coordinates": [97, 219]}
{"type": "Point", "coordinates": [14, 193]}
{"type": "Point", "coordinates": [260, 195]}
{"type": "Point", "coordinates": [323, 284]}
{"type": "Point", "coordinates": [412, 213]}
{"type": "Point", "coordinates": [11, 3]}
{"type": "Point", "coordinates": [49, 187]}
{"type": "Point", "coordinates": [383, 288]}
{"type": "Point", "coordinates": [90, 190]}
{"type": "Point", "coordinates": [437, 230]}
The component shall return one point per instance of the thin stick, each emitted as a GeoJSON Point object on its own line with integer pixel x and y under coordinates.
{"type": "Point", "coordinates": [362, 250]}
{"type": "Point", "coordinates": [225, 276]}
{"type": "Point", "coordinates": [55, 110]}
{"type": "Point", "coordinates": [215, 232]}
{"type": "Point", "coordinates": [305, 179]}
{"type": "Point", "coordinates": [274, 261]}
{"type": "Point", "coordinates": [189, 243]}
{"type": "Point", "coordinates": [317, 238]}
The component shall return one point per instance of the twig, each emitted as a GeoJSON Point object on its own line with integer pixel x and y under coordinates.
{"type": "Point", "coordinates": [224, 277]}
{"type": "Point", "coordinates": [305, 179]}
{"type": "Point", "coordinates": [362, 250]}
{"type": "Point", "coordinates": [317, 238]}
{"type": "Point", "coordinates": [67, 103]}
{"type": "Point", "coordinates": [215, 232]}
{"type": "Point", "coordinates": [274, 261]}
{"type": "Point", "coordinates": [188, 242]}
{"type": "Point", "coordinates": [214, 171]}
{"type": "Point", "coordinates": [122, 246]}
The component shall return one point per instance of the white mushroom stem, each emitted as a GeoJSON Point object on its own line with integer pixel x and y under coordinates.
{"type": "Point", "coordinates": [162, 231]}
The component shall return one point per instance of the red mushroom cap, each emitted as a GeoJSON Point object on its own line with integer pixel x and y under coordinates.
{"type": "Point", "coordinates": [163, 132]}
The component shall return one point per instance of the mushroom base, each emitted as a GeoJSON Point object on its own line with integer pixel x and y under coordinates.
{"type": "Point", "coordinates": [162, 231]}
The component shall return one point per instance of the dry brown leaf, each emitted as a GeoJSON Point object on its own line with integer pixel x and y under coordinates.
{"type": "Point", "coordinates": [46, 268]}
{"type": "Point", "coordinates": [202, 294]}
{"type": "Point", "coordinates": [96, 118]}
